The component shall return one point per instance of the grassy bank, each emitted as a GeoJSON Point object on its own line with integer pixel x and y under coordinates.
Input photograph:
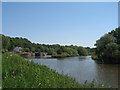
{"type": "Point", "coordinates": [63, 55]}
{"type": "Point", "coordinates": [59, 56]}
{"type": "Point", "coordinates": [20, 73]}
{"type": "Point", "coordinates": [95, 57]}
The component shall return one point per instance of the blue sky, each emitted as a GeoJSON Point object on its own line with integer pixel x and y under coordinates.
{"type": "Point", "coordinates": [65, 23]}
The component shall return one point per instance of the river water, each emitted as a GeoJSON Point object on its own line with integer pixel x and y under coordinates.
{"type": "Point", "coordinates": [83, 68]}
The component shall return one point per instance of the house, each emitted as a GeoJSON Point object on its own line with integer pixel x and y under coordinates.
{"type": "Point", "coordinates": [18, 49]}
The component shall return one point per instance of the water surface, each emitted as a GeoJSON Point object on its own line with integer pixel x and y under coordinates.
{"type": "Point", "coordinates": [83, 68]}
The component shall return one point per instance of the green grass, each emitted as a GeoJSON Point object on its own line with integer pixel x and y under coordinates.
{"type": "Point", "coordinates": [63, 55]}
{"type": "Point", "coordinates": [20, 73]}
{"type": "Point", "coordinates": [0, 71]}
{"type": "Point", "coordinates": [95, 57]}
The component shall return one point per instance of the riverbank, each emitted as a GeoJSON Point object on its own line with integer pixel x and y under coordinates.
{"type": "Point", "coordinates": [63, 56]}
{"type": "Point", "coordinates": [94, 57]}
{"type": "Point", "coordinates": [20, 73]}
{"type": "Point", "coordinates": [60, 56]}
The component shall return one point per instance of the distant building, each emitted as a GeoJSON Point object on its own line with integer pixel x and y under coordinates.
{"type": "Point", "coordinates": [18, 49]}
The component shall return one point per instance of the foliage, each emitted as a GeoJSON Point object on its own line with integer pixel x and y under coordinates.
{"type": "Point", "coordinates": [9, 44]}
{"type": "Point", "coordinates": [95, 57]}
{"type": "Point", "coordinates": [90, 51]}
{"type": "Point", "coordinates": [6, 43]}
{"type": "Point", "coordinates": [20, 73]}
{"type": "Point", "coordinates": [108, 47]}
{"type": "Point", "coordinates": [26, 49]}
{"type": "Point", "coordinates": [82, 51]}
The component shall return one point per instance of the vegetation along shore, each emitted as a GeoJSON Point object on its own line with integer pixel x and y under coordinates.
{"type": "Point", "coordinates": [17, 72]}
{"type": "Point", "coordinates": [20, 73]}
{"type": "Point", "coordinates": [107, 48]}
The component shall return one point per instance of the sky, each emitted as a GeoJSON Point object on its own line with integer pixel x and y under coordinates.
{"type": "Point", "coordinates": [64, 23]}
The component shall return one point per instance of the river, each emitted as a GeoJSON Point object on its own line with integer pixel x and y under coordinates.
{"type": "Point", "coordinates": [83, 68]}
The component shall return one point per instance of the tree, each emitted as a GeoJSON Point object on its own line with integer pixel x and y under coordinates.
{"type": "Point", "coordinates": [33, 49]}
{"type": "Point", "coordinates": [27, 49]}
{"type": "Point", "coordinates": [5, 42]}
{"type": "Point", "coordinates": [82, 51]}
{"type": "Point", "coordinates": [10, 43]}
{"type": "Point", "coordinates": [108, 47]}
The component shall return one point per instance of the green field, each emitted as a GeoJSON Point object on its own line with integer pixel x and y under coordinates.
{"type": "Point", "coordinates": [17, 72]}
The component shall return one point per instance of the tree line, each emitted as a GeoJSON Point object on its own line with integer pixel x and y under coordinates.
{"type": "Point", "coordinates": [9, 43]}
{"type": "Point", "coordinates": [108, 47]}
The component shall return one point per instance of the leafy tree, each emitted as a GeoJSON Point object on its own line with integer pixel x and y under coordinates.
{"type": "Point", "coordinates": [82, 51]}
{"type": "Point", "coordinates": [5, 42]}
{"type": "Point", "coordinates": [108, 47]}
{"type": "Point", "coordinates": [51, 51]}
{"type": "Point", "coordinates": [27, 49]}
{"type": "Point", "coordinates": [54, 53]}
{"type": "Point", "coordinates": [33, 49]}
{"type": "Point", "coordinates": [10, 43]}
{"type": "Point", "coordinates": [90, 51]}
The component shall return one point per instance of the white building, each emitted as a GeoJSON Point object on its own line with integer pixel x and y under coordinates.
{"type": "Point", "coordinates": [18, 49]}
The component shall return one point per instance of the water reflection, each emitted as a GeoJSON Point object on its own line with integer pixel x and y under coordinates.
{"type": "Point", "coordinates": [83, 68]}
{"type": "Point", "coordinates": [82, 58]}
